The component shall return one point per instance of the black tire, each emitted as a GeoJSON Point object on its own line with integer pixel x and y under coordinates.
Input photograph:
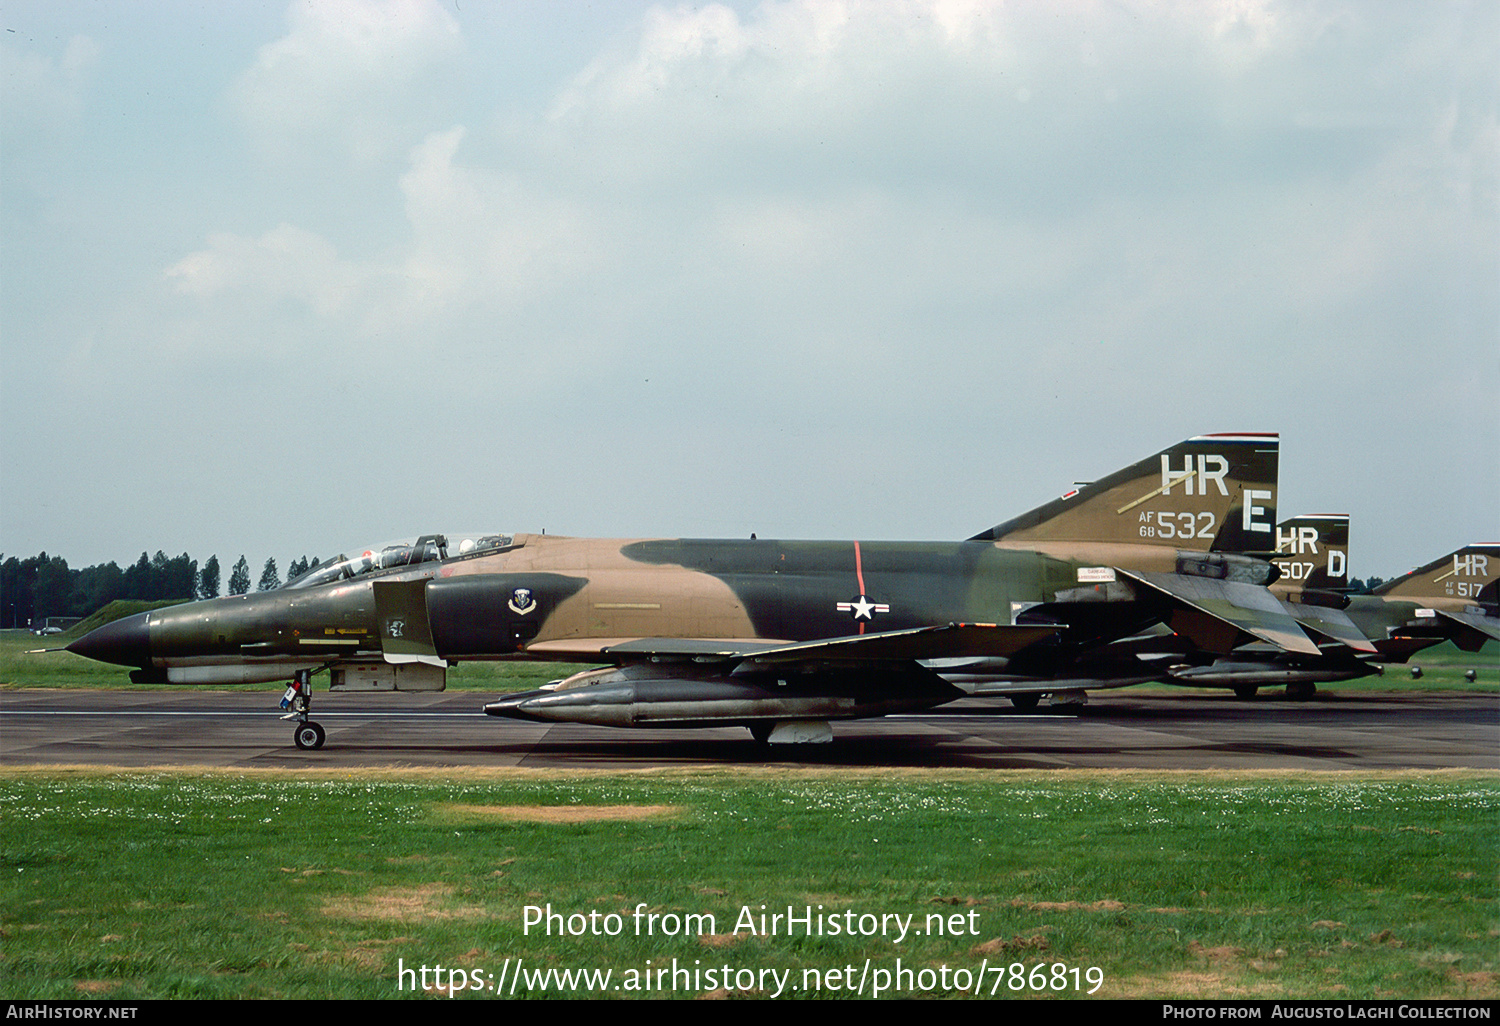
{"type": "Point", "coordinates": [308, 736]}
{"type": "Point", "coordinates": [761, 732]}
{"type": "Point", "coordinates": [1025, 702]}
{"type": "Point", "coordinates": [1301, 691]}
{"type": "Point", "coordinates": [1246, 691]}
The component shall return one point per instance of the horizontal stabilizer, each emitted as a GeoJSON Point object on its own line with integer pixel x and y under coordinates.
{"type": "Point", "coordinates": [1489, 625]}
{"type": "Point", "coordinates": [1243, 607]}
{"type": "Point", "coordinates": [1474, 628]}
{"type": "Point", "coordinates": [1333, 624]}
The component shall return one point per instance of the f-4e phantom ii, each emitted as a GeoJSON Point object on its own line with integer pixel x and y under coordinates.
{"type": "Point", "coordinates": [777, 636]}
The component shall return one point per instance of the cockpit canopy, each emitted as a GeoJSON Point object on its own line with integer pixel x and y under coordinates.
{"type": "Point", "coordinates": [428, 548]}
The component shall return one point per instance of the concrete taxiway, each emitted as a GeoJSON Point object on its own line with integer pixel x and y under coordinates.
{"type": "Point", "coordinates": [1196, 731]}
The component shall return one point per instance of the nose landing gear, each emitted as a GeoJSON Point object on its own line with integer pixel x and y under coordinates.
{"type": "Point", "coordinates": [309, 735]}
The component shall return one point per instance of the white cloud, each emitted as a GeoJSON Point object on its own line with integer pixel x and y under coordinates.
{"type": "Point", "coordinates": [354, 79]}
{"type": "Point", "coordinates": [482, 237]}
{"type": "Point", "coordinates": [42, 92]}
{"type": "Point", "coordinates": [286, 273]}
{"type": "Point", "coordinates": [478, 243]}
{"type": "Point", "coordinates": [868, 170]}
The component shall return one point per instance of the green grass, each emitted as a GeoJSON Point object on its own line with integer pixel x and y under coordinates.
{"type": "Point", "coordinates": [116, 610]}
{"type": "Point", "coordinates": [237, 885]}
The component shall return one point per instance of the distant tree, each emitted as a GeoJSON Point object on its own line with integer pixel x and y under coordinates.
{"type": "Point", "coordinates": [17, 589]}
{"type": "Point", "coordinates": [138, 579]}
{"type": "Point", "coordinates": [53, 586]}
{"type": "Point", "coordinates": [45, 586]}
{"type": "Point", "coordinates": [96, 587]}
{"type": "Point", "coordinates": [269, 579]}
{"type": "Point", "coordinates": [295, 569]}
{"type": "Point", "coordinates": [208, 578]}
{"type": "Point", "coordinates": [181, 578]}
{"type": "Point", "coordinates": [15, 595]}
{"type": "Point", "coordinates": [160, 570]}
{"type": "Point", "coordinates": [239, 578]}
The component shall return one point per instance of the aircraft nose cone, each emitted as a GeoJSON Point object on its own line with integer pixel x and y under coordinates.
{"type": "Point", "coordinates": [126, 642]}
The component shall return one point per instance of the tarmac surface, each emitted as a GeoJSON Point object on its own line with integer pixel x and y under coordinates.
{"type": "Point", "coordinates": [1117, 730]}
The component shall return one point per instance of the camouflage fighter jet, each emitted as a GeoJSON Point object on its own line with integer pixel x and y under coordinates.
{"type": "Point", "coordinates": [1312, 555]}
{"type": "Point", "coordinates": [777, 636]}
{"type": "Point", "coordinates": [1456, 598]}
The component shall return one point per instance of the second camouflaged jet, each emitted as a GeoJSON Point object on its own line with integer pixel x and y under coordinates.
{"type": "Point", "coordinates": [778, 636]}
{"type": "Point", "coordinates": [1312, 556]}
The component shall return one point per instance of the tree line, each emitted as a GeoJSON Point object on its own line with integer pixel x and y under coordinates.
{"type": "Point", "coordinates": [43, 585]}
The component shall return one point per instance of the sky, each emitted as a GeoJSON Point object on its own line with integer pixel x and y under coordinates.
{"type": "Point", "coordinates": [285, 280]}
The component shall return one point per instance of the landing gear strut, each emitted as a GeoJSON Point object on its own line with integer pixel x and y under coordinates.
{"type": "Point", "coordinates": [298, 698]}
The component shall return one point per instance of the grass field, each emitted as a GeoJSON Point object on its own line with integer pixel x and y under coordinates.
{"type": "Point", "coordinates": [252, 885]}
{"type": "Point", "coordinates": [360, 884]}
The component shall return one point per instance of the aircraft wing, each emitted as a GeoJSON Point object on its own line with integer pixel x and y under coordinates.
{"type": "Point", "coordinates": [1214, 611]}
{"type": "Point", "coordinates": [762, 683]}
{"type": "Point", "coordinates": [946, 641]}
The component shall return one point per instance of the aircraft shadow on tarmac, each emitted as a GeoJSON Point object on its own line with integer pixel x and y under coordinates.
{"type": "Point", "coordinates": [946, 752]}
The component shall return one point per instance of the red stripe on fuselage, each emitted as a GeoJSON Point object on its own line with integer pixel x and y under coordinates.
{"type": "Point", "coordinates": [859, 573]}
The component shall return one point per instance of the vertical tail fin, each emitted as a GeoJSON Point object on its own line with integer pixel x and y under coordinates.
{"type": "Point", "coordinates": [1472, 574]}
{"type": "Point", "coordinates": [1213, 492]}
{"type": "Point", "coordinates": [1312, 552]}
